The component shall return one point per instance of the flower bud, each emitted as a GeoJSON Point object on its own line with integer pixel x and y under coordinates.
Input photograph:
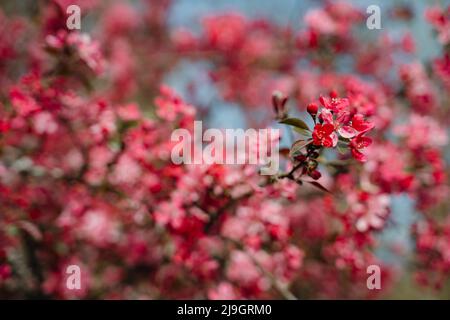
{"type": "Point", "coordinates": [312, 109]}
{"type": "Point", "coordinates": [300, 157]}
{"type": "Point", "coordinates": [315, 174]}
{"type": "Point", "coordinates": [333, 94]}
{"type": "Point", "coordinates": [279, 100]}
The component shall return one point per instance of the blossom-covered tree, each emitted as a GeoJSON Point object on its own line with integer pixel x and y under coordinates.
{"type": "Point", "coordinates": [86, 175]}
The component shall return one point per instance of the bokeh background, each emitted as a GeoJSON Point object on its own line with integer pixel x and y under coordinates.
{"type": "Point", "coordinates": [191, 79]}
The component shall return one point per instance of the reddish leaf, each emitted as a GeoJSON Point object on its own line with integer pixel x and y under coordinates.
{"type": "Point", "coordinates": [285, 151]}
{"type": "Point", "coordinates": [318, 185]}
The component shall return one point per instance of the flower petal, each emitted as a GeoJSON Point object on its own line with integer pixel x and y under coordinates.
{"type": "Point", "coordinates": [358, 155]}
{"type": "Point", "coordinates": [347, 132]}
{"type": "Point", "coordinates": [334, 138]}
{"type": "Point", "coordinates": [324, 101]}
{"type": "Point", "coordinates": [327, 128]}
{"type": "Point", "coordinates": [365, 141]}
{"type": "Point", "coordinates": [360, 124]}
{"type": "Point", "coordinates": [326, 116]}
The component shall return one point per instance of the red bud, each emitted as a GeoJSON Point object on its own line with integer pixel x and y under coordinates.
{"type": "Point", "coordinates": [315, 174]}
{"type": "Point", "coordinates": [312, 108]}
{"type": "Point", "coordinates": [300, 157]}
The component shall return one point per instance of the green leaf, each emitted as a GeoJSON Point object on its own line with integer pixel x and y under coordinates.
{"type": "Point", "coordinates": [12, 230]}
{"type": "Point", "coordinates": [295, 123]}
{"type": "Point", "coordinates": [303, 132]}
{"type": "Point", "coordinates": [298, 145]}
{"type": "Point", "coordinates": [341, 149]}
{"type": "Point", "coordinates": [337, 163]}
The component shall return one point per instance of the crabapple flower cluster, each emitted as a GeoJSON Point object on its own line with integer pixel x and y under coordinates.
{"type": "Point", "coordinates": [336, 121]}
{"type": "Point", "coordinates": [86, 176]}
